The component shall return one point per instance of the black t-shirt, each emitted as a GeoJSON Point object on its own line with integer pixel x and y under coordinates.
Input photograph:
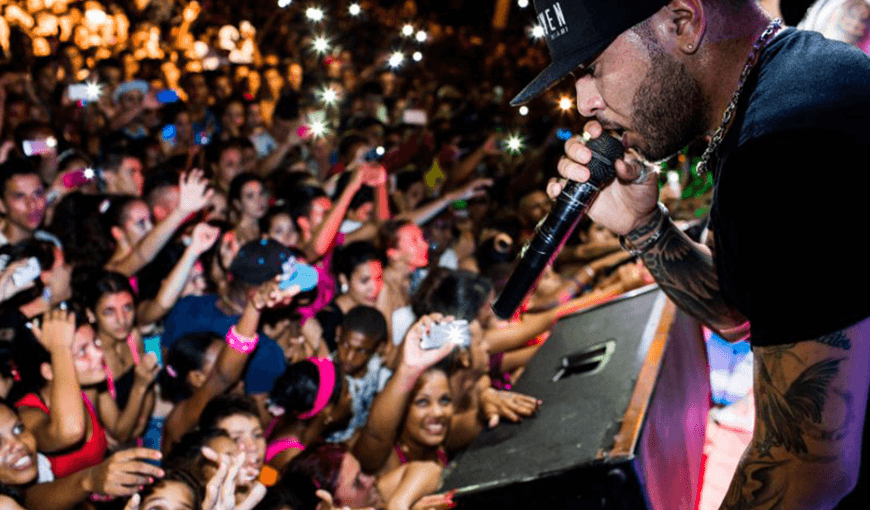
{"type": "Point", "coordinates": [789, 210]}
{"type": "Point", "coordinates": [792, 183]}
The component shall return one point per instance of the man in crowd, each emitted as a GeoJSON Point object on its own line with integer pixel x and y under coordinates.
{"type": "Point", "coordinates": [785, 111]}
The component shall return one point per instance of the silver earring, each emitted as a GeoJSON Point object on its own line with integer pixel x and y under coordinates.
{"type": "Point", "coordinates": [344, 288]}
{"type": "Point", "coordinates": [690, 46]}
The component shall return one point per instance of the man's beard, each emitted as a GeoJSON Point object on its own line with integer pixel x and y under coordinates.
{"type": "Point", "coordinates": [669, 109]}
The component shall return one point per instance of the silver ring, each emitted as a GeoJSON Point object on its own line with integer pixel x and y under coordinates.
{"type": "Point", "coordinates": [644, 173]}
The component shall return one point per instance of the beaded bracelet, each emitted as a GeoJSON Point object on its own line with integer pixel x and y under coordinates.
{"type": "Point", "coordinates": [661, 218]}
{"type": "Point", "coordinates": [243, 344]}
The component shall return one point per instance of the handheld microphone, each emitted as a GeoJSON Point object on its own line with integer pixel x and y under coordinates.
{"type": "Point", "coordinates": [554, 230]}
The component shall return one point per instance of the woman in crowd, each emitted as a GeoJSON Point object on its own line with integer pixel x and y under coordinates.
{"type": "Point", "coordinates": [30, 484]}
{"type": "Point", "coordinates": [247, 196]}
{"type": "Point", "coordinates": [308, 399]}
{"type": "Point", "coordinates": [358, 270]}
{"type": "Point", "coordinates": [277, 224]}
{"type": "Point", "coordinates": [406, 251]}
{"type": "Point", "coordinates": [53, 373]}
{"type": "Point", "coordinates": [126, 404]}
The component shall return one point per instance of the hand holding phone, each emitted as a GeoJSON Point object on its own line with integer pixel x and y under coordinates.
{"type": "Point", "coordinates": [456, 332]}
{"type": "Point", "coordinates": [298, 273]}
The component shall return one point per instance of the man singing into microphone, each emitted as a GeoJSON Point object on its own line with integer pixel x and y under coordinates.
{"type": "Point", "coordinates": [786, 115]}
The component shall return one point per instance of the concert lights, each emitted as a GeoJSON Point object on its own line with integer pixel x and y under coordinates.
{"type": "Point", "coordinates": [354, 9]}
{"type": "Point", "coordinates": [421, 36]}
{"type": "Point", "coordinates": [284, 3]}
{"type": "Point", "coordinates": [396, 59]}
{"type": "Point", "coordinates": [417, 56]}
{"type": "Point", "coordinates": [524, 110]}
{"type": "Point", "coordinates": [321, 44]}
{"type": "Point", "coordinates": [537, 31]}
{"type": "Point", "coordinates": [565, 103]}
{"type": "Point", "coordinates": [94, 90]}
{"type": "Point", "coordinates": [314, 14]}
{"type": "Point", "coordinates": [408, 30]}
{"type": "Point", "coordinates": [523, 3]}
{"type": "Point", "coordinates": [514, 143]}
{"type": "Point", "coordinates": [328, 96]}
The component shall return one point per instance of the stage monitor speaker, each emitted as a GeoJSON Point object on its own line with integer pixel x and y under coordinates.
{"type": "Point", "coordinates": [625, 390]}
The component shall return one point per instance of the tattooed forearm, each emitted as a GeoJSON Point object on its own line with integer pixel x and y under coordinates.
{"type": "Point", "coordinates": [756, 485]}
{"type": "Point", "coordinates": [685, 271]}
{"type": "Point", "coordinates": [837, 339]}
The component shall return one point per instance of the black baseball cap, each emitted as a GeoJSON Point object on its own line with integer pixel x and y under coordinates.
{"type": "Point", "coordinates": [578, 30]}
{"type": "Point", "coordinates": [259, 261]}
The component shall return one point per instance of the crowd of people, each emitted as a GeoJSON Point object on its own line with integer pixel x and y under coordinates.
{"type": "Point", "coordinates": [229, 232]}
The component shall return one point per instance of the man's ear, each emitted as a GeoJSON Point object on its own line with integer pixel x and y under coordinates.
{"type": "Point", "coordinates": [2, 207]}
{"type": "Point", "coordinates": [683, 23]}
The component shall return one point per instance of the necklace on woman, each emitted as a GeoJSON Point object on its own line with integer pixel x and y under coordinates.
{"type": "Point", "coordinates": [728, 116]}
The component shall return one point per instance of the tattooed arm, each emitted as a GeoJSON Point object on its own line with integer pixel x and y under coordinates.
{"type": "Point", "coordinates": [684, 270]}
{"type": "Point", "coordinates": [810, 401]}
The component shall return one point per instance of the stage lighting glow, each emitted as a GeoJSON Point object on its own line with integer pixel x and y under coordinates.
{"type": "Point", "coordinates": [524, 110]}
{"type": "Point", "coordinates": [396, 59]}
{"type": "Point", "coordinates": [94, 90]}
{"type": "Point", "coordinates": [319, 128]}
{"type": "Point", "coordinates": [537, 31]}
{"type": "Point", "coordinates": [523, 3]}
{"type": "Point", "coordinates": [408, 30]}
{"type": "Point", "coordinates": [328, 96]}
{"type": "Point", "coordinates": [514, 144]}
{"type": "Point", "coordinates": [284, 3]}
{"type": "Point", "coordinates": [421, 36]}
{"type": "Point", "coordinates": [354, 9]}
{"type": "Point", "coordinates": [314, 14]}
{"type": "Point", "coordinates": [417, 56]}
{"type": "Point", "coordinates": [565, 103]}
{"type": "Point", "coordinates": [321, 44]}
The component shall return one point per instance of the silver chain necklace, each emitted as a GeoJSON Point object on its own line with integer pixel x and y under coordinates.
{"type": "Point", "coordinates": [762, 41]}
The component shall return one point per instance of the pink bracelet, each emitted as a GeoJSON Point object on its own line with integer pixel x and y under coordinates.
{"type": "Point", "coordinates": [243, 344]}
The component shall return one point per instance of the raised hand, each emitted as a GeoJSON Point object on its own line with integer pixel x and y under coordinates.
{"type": "Point", "coordinates": [203, 237]}
{"type": "Point", "coordinates": [124, 473]}
{"type": "Point", "coordinates": [624, 204]}
{"type": "Point", "coordinates": [474, 188]}
{"type": "Point", "coordinates": [270, 294]}
{"type": "Point", "coordinates": [57, 331]}
{"type": "Point", "coordinates": [373, 174]}
{"type": "Point", "coordinates": [413, 355]}
{"type": "Point", "coordinates": [193, 193]}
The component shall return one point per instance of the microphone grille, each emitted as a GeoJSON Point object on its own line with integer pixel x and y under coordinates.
{"type": "Point", "coordinates": [605, 151]}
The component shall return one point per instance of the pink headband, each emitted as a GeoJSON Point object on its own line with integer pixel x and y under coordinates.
{"type": "Point", "coordinates": [326, 369]}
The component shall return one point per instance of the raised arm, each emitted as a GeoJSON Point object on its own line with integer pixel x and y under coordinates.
{"type": "Point", "coordinates": [122, 424]}
{"type": "Point", "coordinates": [152, 310]}
{"type": "Point", "coordinates": [194, 195]}
{"type": "Point", "coordinates": [326, 232]}
{"type": "Point", "coordinates": [375, 442]}
{"type": "Point", "coordinates": [230, 364]}
{"type": "Point", "coordinates": [428, 211]}
{"type": "Point", "coordinates": [64, 426]}
{"type": "Point", "coordinates": [810, 403]}
{"type": "Point", "coordinates": [119, 475]}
